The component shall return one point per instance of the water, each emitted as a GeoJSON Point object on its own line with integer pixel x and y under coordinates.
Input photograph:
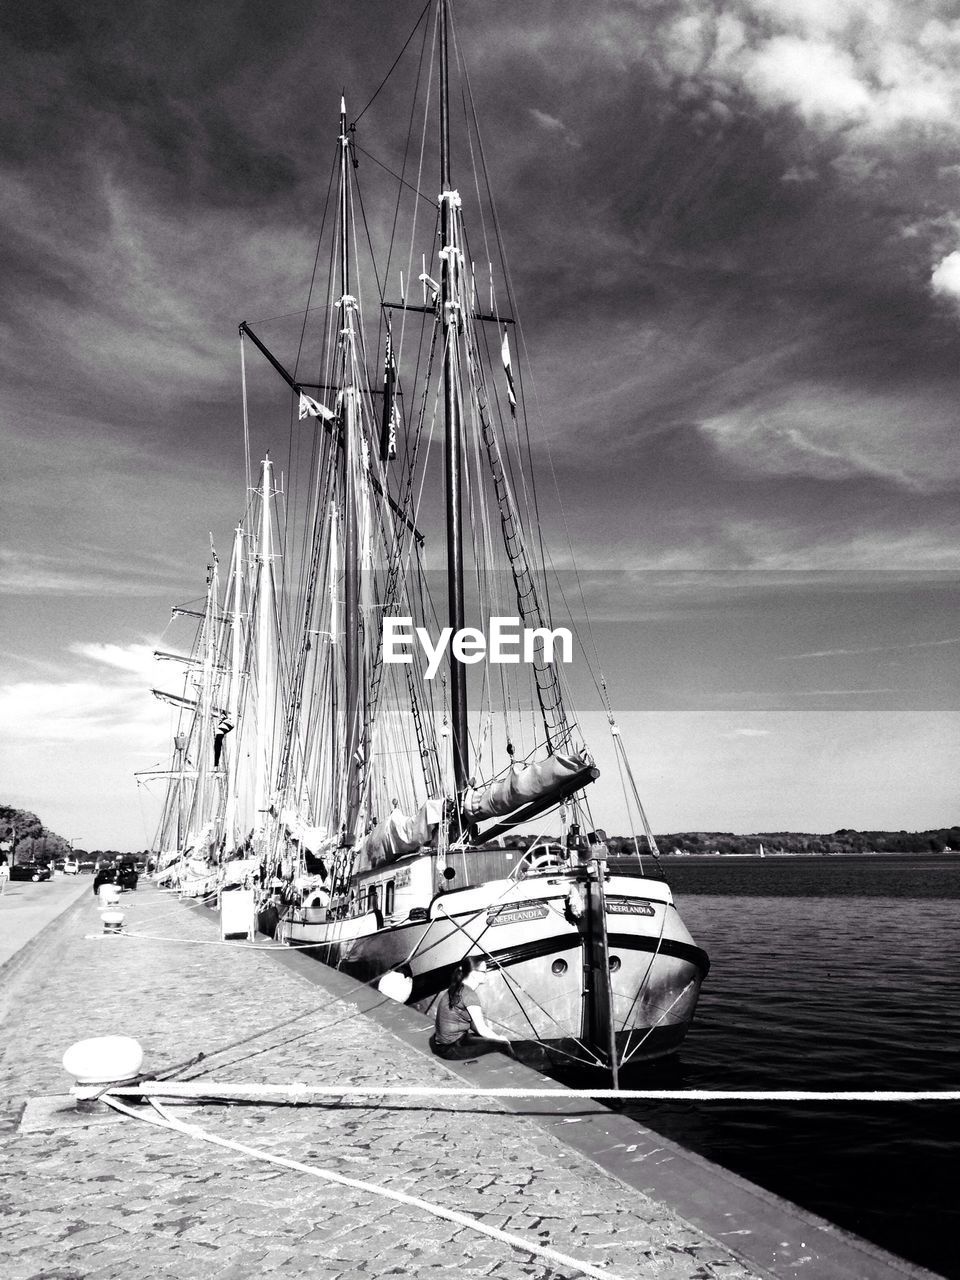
{"type": "Point", "coordinates": [836, 973]}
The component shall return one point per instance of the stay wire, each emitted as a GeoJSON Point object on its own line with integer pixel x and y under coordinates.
{"type": "Point", "coordinates": [393, 68]}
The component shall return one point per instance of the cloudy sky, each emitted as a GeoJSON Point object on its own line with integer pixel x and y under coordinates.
{"type": "Point", "coordinates": [734, 232]}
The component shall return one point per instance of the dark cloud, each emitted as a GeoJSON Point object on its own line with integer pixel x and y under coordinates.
{"type": "Point", "coordinates": [727, 295]}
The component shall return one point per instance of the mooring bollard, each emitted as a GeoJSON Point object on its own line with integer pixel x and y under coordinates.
{"type": "Point", "coordinates": [112, 919]}
{"type": "Point", "coordinates": [98, 1063]}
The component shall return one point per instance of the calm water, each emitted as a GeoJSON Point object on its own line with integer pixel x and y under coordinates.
{"type": "Point", "coordinates": [837, 973]}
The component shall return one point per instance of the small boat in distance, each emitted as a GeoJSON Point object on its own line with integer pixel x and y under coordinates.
{"type": "Point", "coordinates": [374, 796]}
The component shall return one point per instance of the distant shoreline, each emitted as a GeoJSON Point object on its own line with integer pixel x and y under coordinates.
{"type": "Point", "coordinates": [844, 853]}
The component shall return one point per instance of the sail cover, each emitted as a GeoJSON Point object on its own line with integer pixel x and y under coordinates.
{"type": "Point", "coordinates": [539, 783]}
{"type": "Point", "coordinates": [399, 834]}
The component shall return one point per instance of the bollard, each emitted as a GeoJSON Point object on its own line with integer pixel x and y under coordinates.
{"type": "Point", "coordinates": [98, 1063]}
{"type": "Point", "coordinates": [112, 919]}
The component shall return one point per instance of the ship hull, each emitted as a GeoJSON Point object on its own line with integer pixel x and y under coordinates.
{"type": "Point", "coordinates": [577, 973]}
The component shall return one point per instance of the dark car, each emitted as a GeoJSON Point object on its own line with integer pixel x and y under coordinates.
{"type": "Point", "coordinates": [29, 871]}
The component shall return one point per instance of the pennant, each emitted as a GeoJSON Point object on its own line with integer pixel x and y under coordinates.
{"type": "Point", "coordinates": [391, 416]}
{"type": "Point", "coordinates": [310, 408]}
{"type": "Point", "coordinates": [508, 370]}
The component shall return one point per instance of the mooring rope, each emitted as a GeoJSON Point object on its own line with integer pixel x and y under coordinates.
{"type": "Point", "coordinates": [302, 1092]}
{"type": "Point", "coordinates": [168, 1121]}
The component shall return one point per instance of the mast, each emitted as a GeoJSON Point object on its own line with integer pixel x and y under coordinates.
{"type": "Point", "coordinates": [233, 714]}
{"type": "Point", "coordinates": [449, 200]}
{"type": "Point", "coordinates": [180, 744]}
{"type": "Point", "coordinates": [351, 575]}
{"type": "Point", "coordinates": [265, 699]}
{"type": "Point", "coordinates": [204, 712]}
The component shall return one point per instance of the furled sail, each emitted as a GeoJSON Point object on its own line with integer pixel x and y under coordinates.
{"type": "Point", "coordinates": [399, 834]}
{"type": "Point", "coordinates": [314, 840]}
{"type": "Point", "coordinates": [167, 856]}
{"type": "Point", "coordinates": [529, 786]}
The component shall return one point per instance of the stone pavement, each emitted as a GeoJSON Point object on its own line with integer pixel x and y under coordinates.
{"type": "Point", "coordinates": [109, 1197]}
{"type": "Point", "coordinates": [105, 1196]}
{"type": "Point", "coordinates": [26, 908]}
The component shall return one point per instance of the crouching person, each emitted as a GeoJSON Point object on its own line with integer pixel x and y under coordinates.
{"type": "Point", "coordinates": [461, 1030]}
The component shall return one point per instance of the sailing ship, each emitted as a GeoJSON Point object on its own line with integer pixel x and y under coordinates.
{"type": "Point", "coordinates": [202, 815]}
{"type": "Point", "coordinates": [376, 803]}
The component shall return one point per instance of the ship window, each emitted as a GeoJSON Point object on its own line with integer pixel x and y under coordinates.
{"type": "Point", "coordinates": [372, 898]}
{"type": "Point", "coordinates": [388, 898]}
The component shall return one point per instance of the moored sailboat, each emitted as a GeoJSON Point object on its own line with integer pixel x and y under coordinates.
{"type": "Point", "coordinates": [380, 805]}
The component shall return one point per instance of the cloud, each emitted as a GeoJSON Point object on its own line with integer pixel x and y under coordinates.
{"type": "Point", "coordinates": [819, 80]}
{"type": "Point", "coordinates": [548, 122]}
{"type": "Point", "coordinates": [861, 64]}
{"type": "Point", "coordinates": [552, 124]}
{"type": "Point", "coordinates": [837, 433]}
{"type": "Point", "coordinates": [945, 278]}
{"type": "Point", "coordinates": [874, 648]}
{"type": "Point", "coordinates": [136, 659]}
{"type": "Point", "coordinates": [31, 573]}
{"type": "Point", "coordinates": [798, 544]}
{"type": "Point", "coordinates": [146, 291]}
{"type": "Point", "coordinates": [77, 705]}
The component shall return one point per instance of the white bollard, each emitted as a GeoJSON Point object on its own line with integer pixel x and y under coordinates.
{"type": "Point", "coordinates": [95, 1064]}
{"type": "Point", "coordinates": [112, 919]}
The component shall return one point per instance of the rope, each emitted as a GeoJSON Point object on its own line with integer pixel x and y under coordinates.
{"type": "Point", "coordinates": [226, 1093]}
{"type": "Point", "coordinates": [205, 942]}
{"type": "Point", "coordinates": [168, 1121]}
{"type": "Point", "coordinates": [394, 66]}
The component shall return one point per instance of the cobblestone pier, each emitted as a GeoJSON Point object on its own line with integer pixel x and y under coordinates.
{"type": "Point", "coordinates": [93, 1194]}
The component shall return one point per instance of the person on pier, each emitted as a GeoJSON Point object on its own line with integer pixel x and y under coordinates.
{"type": "Point", "coordinates": [461, 1030]}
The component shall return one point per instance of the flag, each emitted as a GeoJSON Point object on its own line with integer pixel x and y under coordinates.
{"type": "Point", "coordinates": [391, 416]}
{"type": "Point", "coordinates": [505, 356]}
{"type": "Point", "coordinates": [310, 408]}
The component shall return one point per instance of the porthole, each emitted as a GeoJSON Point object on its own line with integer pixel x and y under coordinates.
{"type": "Point", "coordinates": [559, 967]}
{"type": "Point", "coordinates": [614, 963]}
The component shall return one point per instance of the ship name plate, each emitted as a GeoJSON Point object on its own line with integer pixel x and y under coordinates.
{"type": "Point", "coordinates": [518, 915]}
{"type": "Point", "coordinates": [630, 907]}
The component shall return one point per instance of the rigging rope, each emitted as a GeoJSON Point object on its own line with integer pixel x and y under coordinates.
{"type": "Point", "coordinates": [394, 65]}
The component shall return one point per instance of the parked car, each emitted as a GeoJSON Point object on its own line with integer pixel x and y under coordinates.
{"type": "Point", "coordinates": [29, 871]}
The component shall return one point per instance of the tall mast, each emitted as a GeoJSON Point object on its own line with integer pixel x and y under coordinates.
{"type": "Point", "coordinates": [265, 606]}
{"type": "Point", "coordinates": [233, 713]}
{"type": "Point", "coordinates": [351, 576]}
{"type": "Point", "coordinates": [204, 711]}
{"type": "Point", "coordinates": [449, 288]}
